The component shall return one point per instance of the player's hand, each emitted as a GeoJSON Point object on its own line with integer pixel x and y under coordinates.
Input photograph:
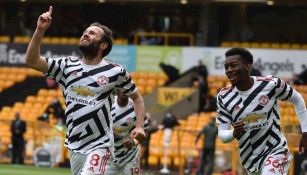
{"type": "Point", "coordinates": [44, 20]}
{"type": "Point", "coordinates": [238, 128]}
{"type": "Point", "coordinates": [303, 144]}
{"type": "Point", "coordinates": [138, 134]}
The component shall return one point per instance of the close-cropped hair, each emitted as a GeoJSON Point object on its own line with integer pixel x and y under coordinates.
{"type": "Point", "coordinates": [244, 53]}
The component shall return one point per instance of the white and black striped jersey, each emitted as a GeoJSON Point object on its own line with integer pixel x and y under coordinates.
{"type": "Point", "coordinates": [124, 121]}
{"type": "Point", "coordinates": [89, 93]}
{"type": "Point", "coordinates": [258, 108]}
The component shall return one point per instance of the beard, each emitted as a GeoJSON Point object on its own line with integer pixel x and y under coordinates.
{"type": "Point", "coordinates": [90, 51]}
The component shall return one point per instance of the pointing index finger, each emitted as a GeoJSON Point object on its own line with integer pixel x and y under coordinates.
{"type": "Point", "coordinates": [50, 10]}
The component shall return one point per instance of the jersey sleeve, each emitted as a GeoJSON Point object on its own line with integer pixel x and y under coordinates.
{"type": "Point", "coordinates": [223, 116]}
{"type": "Point", "coordinates": [125, 83]}
{"type": "Point", "coordinates": [56, 68]}
{"type": "Point", "coordinates": [283, 90]}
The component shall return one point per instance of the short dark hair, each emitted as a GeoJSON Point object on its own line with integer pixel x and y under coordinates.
{"type": "Point", "coordinates": [244, 53]}
{"type": "Point", "coordinates": [107, 37]}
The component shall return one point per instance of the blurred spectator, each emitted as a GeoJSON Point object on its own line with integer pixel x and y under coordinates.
{"type": "Point", "coordinates": [171, 72]}
{"type": "Point", "coordinates": [56, 109]}
{"type": "Point", "coordinates": [18, 128]}
{"type": "Point", "coordinates": [202, 70]}
{"type": "Point", "coordinates": [208, 152]}
{"type": "Point", "coordinates": [210, 105]}
{"type": "Point", "coordinates": [146, 144]}
{"type": "Point", "coordinates": [301, 78]}
{"type": "Point", "coordinates": [199, 83]}
{"type": "Point", "coordinates": [168, 123]}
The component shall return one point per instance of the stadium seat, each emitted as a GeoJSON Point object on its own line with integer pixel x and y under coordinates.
{"type": "Point", "coordinates": [245, 44]}
{"type": "Point", "coordinates": [46, 40]}
{"type": "Point", "coordinates": [225, 44]}
{"type": "Point", "coordinates": [255, 45]}
{"type": "Point", "coordinates": [275, 45]}
{"type": "Point", "coordinates": [153, 160]}
{"type": "Point", "coordinates": [304, 46]}
{"type": "Point", "coordinates": [4, 39]}
{"type": "Point", "coordinates": [285, 46]}
{"type": "Point", "coordinates": [295, 46]}
{"type": "Point", "coordinates": [265, 45]}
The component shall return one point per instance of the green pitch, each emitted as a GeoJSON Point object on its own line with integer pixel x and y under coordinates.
{"type": "Point", "coordinates": [6, 169]}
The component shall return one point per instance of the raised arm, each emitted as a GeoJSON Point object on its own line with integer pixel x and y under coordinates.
{"type": "Point", "coordinates": [33, 57]}
{"type": "Point", "coordinates": [139, 108]}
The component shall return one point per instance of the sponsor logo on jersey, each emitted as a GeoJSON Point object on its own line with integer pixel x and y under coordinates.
{"type": "Point", "coordinates": [83, 91]}
{"type": "Point", "coordinates": [252, 118]}
{"type": "Point", "coordinates": [102, 80]}
{"type": "Point", "coordinates": [263, 100]}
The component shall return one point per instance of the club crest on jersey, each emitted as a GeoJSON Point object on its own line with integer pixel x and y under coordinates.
{"type": "Point", "coordinates": [237, 107]}
{"type": "Point", "coordinates": [102, 80]}
{"type": "Point", "coordinates": [263, 100]}
{"type": "Point", "coordinates": [75, 74]}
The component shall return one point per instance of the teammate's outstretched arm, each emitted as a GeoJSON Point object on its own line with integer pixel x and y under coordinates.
{"type": "Point", "coordinates": [139, 108]}
{"type": "Point", "coordinates": [297, 100]}
{"type": "Point", "coordinates": [33, 57]}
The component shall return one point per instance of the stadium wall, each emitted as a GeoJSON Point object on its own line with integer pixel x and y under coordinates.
{"type": "Point", "coordinates": [279, 62]}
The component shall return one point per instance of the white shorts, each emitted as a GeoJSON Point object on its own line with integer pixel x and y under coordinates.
{"type": "Point", "coordinates": [275, 165]}
{"type": "Point", "coordinates": [93, 163]}
{"type": "Point", "coordinates": [167, 136]}
{"type": "Point", "coordinates": [130, 168]}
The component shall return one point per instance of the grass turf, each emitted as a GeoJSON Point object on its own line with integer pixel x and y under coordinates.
{"type": "Point", "coordinates": [6, 169]}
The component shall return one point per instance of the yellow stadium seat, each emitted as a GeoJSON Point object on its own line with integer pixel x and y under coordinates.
{"type": "Point", "coordinates": [20, 77]}
{"type": "Point", "coordinates": [235, 44]}
{"type": "Point", "coordinates": [64, 40]}
{"type": "Point", "coordinates": [265, 45]}
{"type": "Point", "coordinates": [225, 44]}
{"type": "Point", "coordinates": [43, 92]}
{"type": "Point", "coordinates": [285, 46]}
{"type": "Point", "coordinates": [179, 161]}
{"type": "Point", "coordinates": [31, 99]}
{"type": "Point", "coordinates": [8, 83]}
{"type": "Point", "coordinates": [153, 160]}
{"type": "Point", "coordinates": [295, 46]}
{"type": "Point", "coordinates": [245, 44]}
{"type": "Point", "coordinates": [52, 93]}
{"type": "Point", "coordinates": [55, 40]}
{"type": "Point", "coordinates": [21, 39]}
{"type": "Point", "coordinates": [167, 160]}
{"type": "Point", "coordinates": [18, 105]}
{"type": "Point", "coordinates": [304, 46]}
{"type": "Point", "coordinates": [46, 40]}
{"type": "Point", "coordinates": [4, 39]}
{"type": "Point", "coordinates": [73, 41]}
{"type": "Point", "coordinates": [28, 105]}
{"type": "Point", "coordinates": [255, 45]}
{"type": "Point", "coordinates": [275, 45]}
